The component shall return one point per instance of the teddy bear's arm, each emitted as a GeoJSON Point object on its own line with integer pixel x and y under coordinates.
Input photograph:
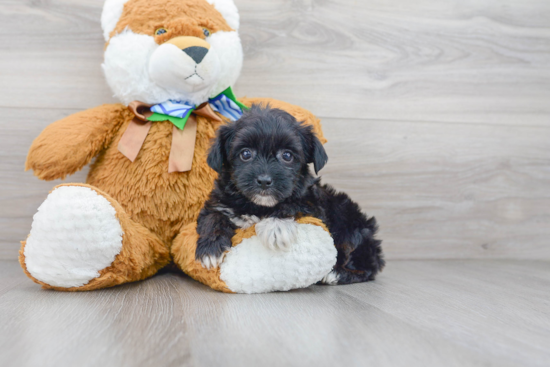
{"type": "Point", "coordinates": [301, 114]}
{"type": "Point", "coordinates": [67, 145]}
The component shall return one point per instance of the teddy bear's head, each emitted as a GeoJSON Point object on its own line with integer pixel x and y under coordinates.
{"type": "Point", "coordinates": [159, 50]}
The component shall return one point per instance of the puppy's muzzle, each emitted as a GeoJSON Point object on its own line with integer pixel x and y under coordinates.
{"type": "Point", "coordinates": [264, 181]}
{"type": "Point", "coordinates": [196, 48]}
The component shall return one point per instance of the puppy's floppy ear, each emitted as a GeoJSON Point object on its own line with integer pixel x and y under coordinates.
{"type": "Point", "coordinates": [217, 156]}
{"type": "Point", "coordinates": [314, 151]}
{"type": "Point", "coordinates": [320, 157]}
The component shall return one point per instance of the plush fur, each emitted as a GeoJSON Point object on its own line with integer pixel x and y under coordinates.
{"type": "Point", "coordinates": [142, 255]}
{"type": "Point", "coordinates": [156, 210]}
{"type": "Point", "coordinates": [266, 154]}
{"type": "Point", "coordinates": [141, 65]}
{"type": "Point", "coordinates": [69, 253]}
{"type": "Point", "coordinates": [254, 268]}
{"type": "Point", "coordinates": [112, 12]}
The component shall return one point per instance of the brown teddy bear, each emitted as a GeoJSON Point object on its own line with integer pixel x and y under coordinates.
{"type": "Point", "coordinates": [172, 64]}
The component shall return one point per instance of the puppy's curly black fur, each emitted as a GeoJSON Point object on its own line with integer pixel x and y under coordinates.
{"type": "Point", "coordinates": [262, 161]}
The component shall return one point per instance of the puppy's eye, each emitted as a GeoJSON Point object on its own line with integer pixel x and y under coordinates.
{"type": "Point", "coordinates": [206, 32]}
{"type": "Point", "coordinates": [287, 156]}
{"type": "Point", "coordinates": [160, 31]}
{"type": "Point", "coordinates": [246, 155]}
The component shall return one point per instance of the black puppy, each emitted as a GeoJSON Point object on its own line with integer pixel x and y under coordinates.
{"type": "Point", "coordinates": [264, 179]}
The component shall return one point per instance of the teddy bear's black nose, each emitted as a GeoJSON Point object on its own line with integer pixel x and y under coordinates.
{"type": "Point", "coordinates": [196, 53]}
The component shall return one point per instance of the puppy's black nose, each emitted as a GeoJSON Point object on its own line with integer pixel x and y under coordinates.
{"type": "Point", "coordinates": [264, 181]}
{"type": "Point", "coordinates": [196, 53]}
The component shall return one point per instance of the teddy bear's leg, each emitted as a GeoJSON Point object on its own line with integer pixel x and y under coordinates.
{"type": "Point", "coordinates": [183, 253]}
{"type": "Point", "coordinates": [251, 266]}
{"type": "Point", "coordinates": [82, 239]}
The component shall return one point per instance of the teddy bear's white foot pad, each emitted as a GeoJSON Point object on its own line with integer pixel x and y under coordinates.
{"type": "Point", "coordinates": [75, 234]}
{"type": "Point", "coordinates": [252, 267]}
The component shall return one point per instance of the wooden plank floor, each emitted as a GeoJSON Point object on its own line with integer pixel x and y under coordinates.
{"type": "Point", "coordinates": [419, 313]}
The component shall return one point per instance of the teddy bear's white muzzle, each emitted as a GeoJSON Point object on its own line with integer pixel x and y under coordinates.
{"type": "Point", "coordinates": [189, 70]}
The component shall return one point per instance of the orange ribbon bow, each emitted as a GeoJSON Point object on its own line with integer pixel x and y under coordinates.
{"type": "Point", "coordinates": [183, 141]}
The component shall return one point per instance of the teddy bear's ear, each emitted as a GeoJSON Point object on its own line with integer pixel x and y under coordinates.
{"type": "Point", "coordinates": [217, 156]}
{"type": "Point", "coordinates": [112, 11]}
{"type": "Point", "coordinates": [229, 11]}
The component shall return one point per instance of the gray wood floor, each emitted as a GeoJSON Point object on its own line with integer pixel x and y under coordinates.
{"type": "Point", "coordinates": [419, 313]}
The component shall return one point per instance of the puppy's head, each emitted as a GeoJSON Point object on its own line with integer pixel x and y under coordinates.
{"type": "Point", "coordinates": [266, 154]}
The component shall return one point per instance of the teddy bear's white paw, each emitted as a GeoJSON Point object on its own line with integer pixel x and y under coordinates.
{"type": "Point", "coordinates": [251, 267]}
{"type": "Point", "coordinates": [75, 234]}
{"type": "Point", "coordinates": [277, 234]}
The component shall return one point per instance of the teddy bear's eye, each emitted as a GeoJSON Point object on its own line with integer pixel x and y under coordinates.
{"type": "Point", "coordinates": [206, 32]}
{"type": "Point", "coordinates": [160, 31]}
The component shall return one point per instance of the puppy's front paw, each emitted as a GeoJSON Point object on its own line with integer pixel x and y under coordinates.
{"type": "Point", "coordinates": [211, 253]}
{"type": "Point", "coordinates": [331, 278]}
{"type": "Point", "coordinates": [211, 262]}
{"type": "Point", "coordinates": [277, 234]}
{"type": "Point", "coordinates": [245, 221]}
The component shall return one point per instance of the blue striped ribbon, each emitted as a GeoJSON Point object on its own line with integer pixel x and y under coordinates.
{"type": "Point", "coordinates": [226, 107]}
{"type": "Point", "coordinates": [179, 109]}
{"type": "Point", "coordinates": [173, 108]}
